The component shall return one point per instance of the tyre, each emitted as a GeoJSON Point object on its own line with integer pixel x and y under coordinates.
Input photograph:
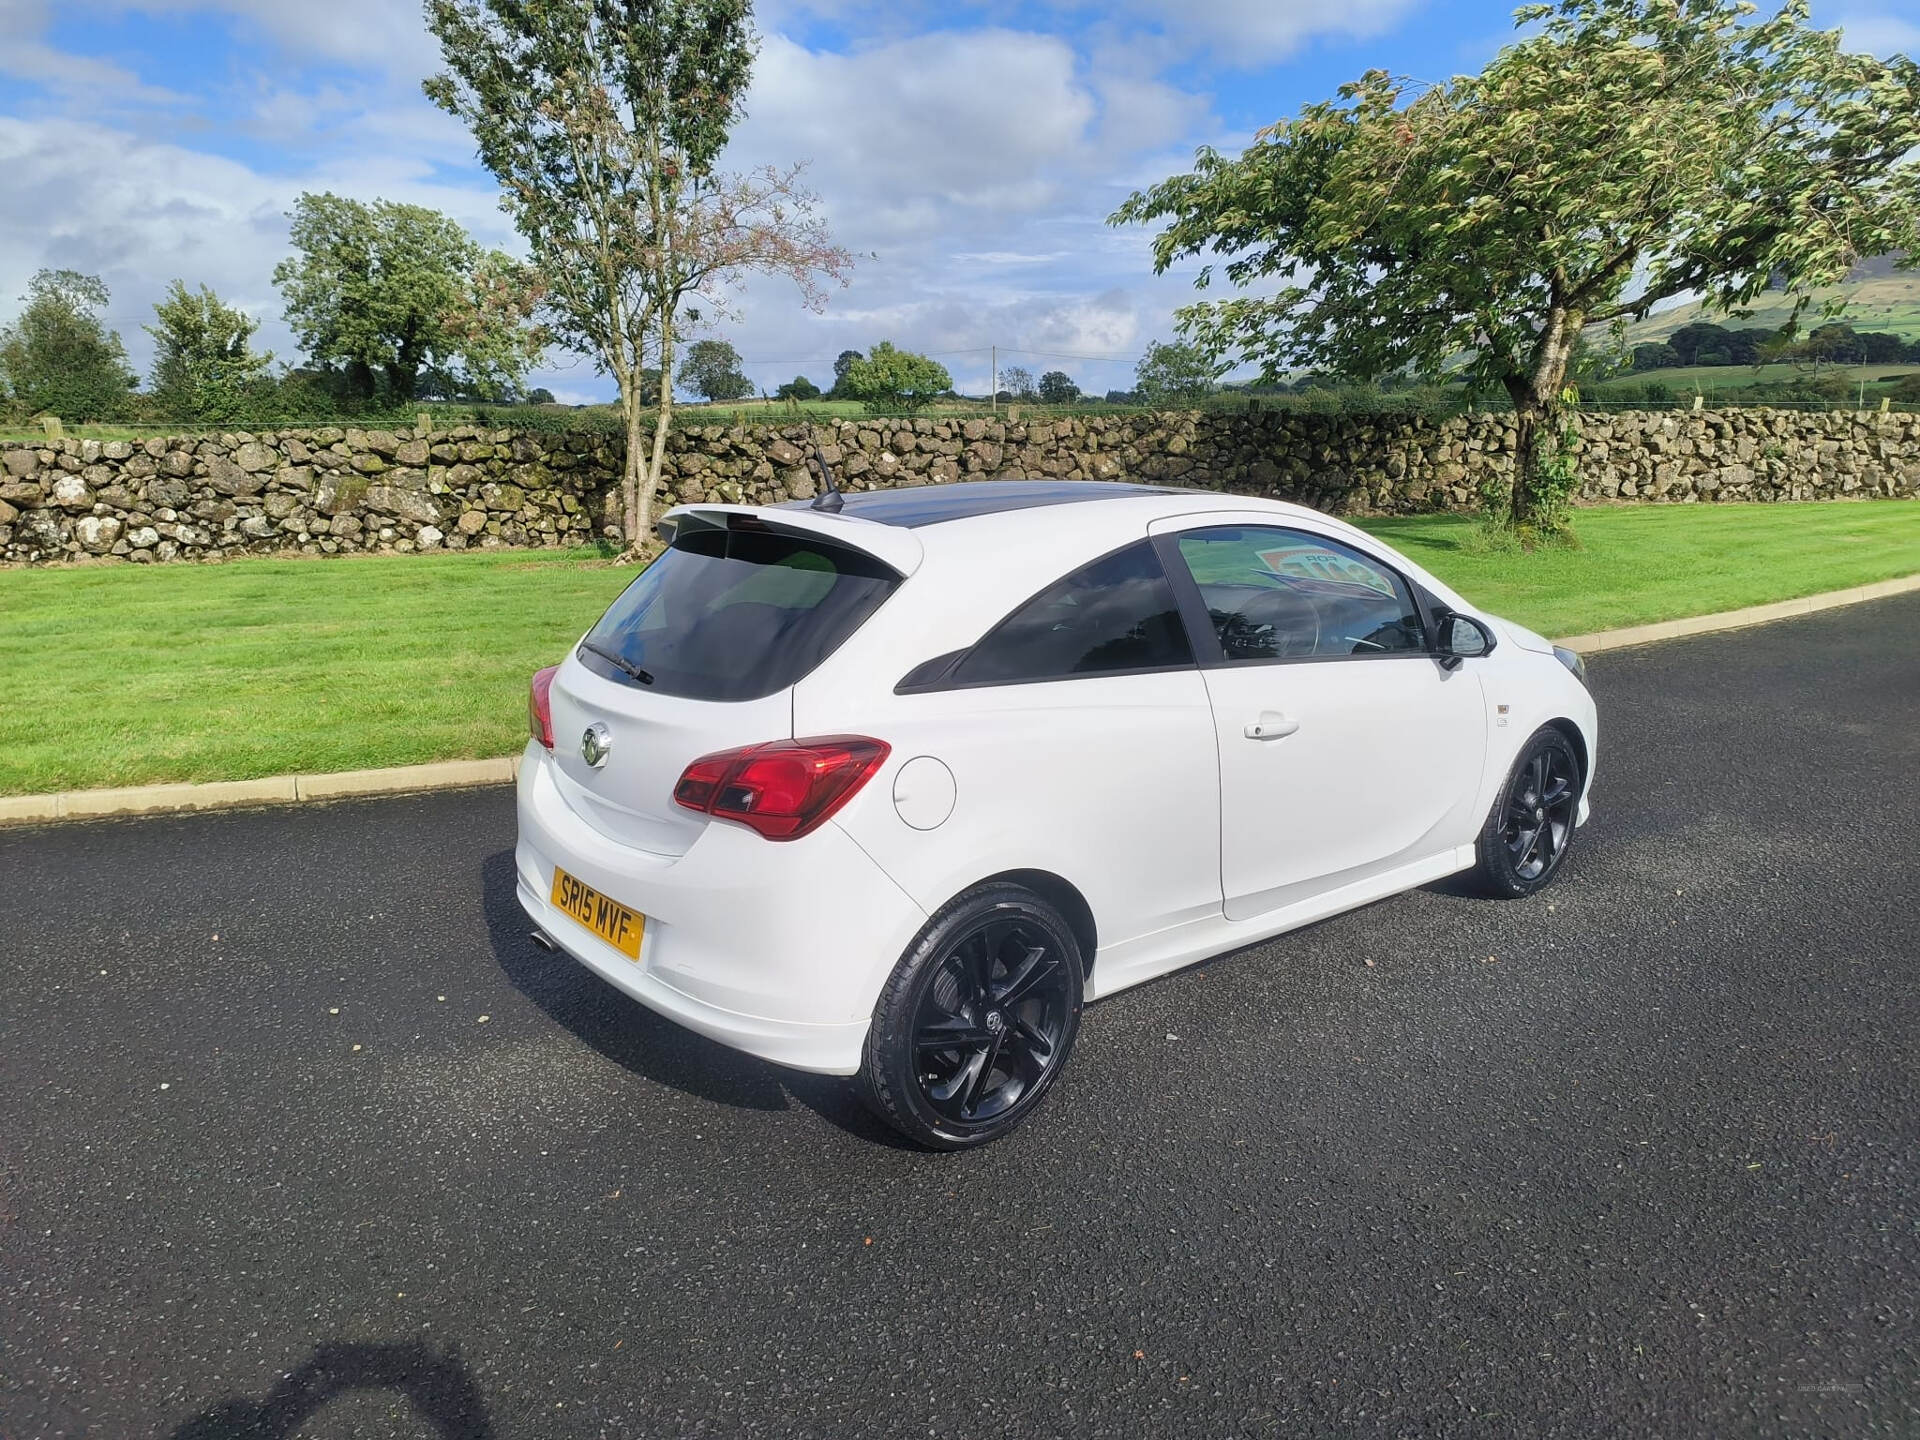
{"type": "Point", "coordinates": [1527, 834]}
{"type": "Point", "coordinates": [976, 1020]}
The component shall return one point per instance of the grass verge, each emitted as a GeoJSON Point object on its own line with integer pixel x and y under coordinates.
{"type": "Point", "coordinates": [125, 675]}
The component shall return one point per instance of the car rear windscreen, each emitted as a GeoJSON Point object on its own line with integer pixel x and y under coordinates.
{"type": "Point", "coordinates": [735, 614]}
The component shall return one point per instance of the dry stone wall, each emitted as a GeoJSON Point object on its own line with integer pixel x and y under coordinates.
{"type": "Point", "coordinates": [334, 491]}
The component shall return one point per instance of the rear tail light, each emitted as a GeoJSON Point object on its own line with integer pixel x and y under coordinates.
{"type": "Point", "coordinates": [540, 706]}
{"type": "Point", "coordinates": [784, 789]}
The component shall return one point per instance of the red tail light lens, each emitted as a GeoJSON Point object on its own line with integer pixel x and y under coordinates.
{"type": "Point", "coordinates": [785, 788]}
{"type": "Point", "coordinates": [540, 706]}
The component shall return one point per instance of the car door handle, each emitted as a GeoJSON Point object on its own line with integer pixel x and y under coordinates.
{"type": "Point", "coordinates": [1271, 726]}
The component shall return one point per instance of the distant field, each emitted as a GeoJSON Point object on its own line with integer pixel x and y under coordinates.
{"type": "Point", "coordinates": [1885, 302]}
{"type": "Point", "coordinates": [1707, 378]}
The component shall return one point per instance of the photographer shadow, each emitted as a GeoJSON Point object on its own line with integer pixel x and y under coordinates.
{"type": "Point", "coordinates": [439, 1386]}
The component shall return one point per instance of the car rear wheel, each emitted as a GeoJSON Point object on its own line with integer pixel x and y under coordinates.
{"type": "Point", "coordinates": [1527, 834]}
{"type": "Point", "coordinates": [976, 1020]}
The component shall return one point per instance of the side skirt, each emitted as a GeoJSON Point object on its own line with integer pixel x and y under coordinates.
{"type": "Point", "coordinates": [1121, 967]}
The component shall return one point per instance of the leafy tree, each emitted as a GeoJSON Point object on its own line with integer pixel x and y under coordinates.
{"type": "Point", "coordinates": [1174, 374]}
{"type": "Point", "coordinates": [540, 395]}
{"type": "Point", "coordinates": [798, 388]}
{"type": "Point", "coordinates": [59, 356]}
{"type": "Point", "coordinates": [1122, 397]}
{"type": "Point", "coordinates": [1056, 388]}
{"type": "Point", "coordinates": [1877, 347]}
{"type": "Point", "coordinates": [1016, 383]}
{"type": "Point", "coordinates": [713, 371]}
{"type": "Point", "coordinates": [842, 363]}
{"type": "Point", "coordinates": [1623, 152]}
{"type": "Point", "coordinates": [204, 364]}
{"type": "Point", "coordinates": [1750, 346]}
{"type": "Point", "coordinates": [1836, 343]}
{"type": "Point", "coordinates": [602, 120]}
{"type": "Point", "coordinates": [1690, 340]}
{"type": "Point", "coordinates": [892, 379]}
{"type": "Point", "coordinates": [387, 290]}
{"type": "Point", "coordinates": [491, 328]}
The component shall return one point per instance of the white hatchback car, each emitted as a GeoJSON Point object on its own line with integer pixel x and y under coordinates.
{"type": "Point", "coordinates": [891, 790]}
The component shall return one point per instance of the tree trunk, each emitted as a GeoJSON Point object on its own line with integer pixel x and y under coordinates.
{"type": "Point", "coordinates": [1529, 413]}
{"type": "Point", "coordinates": [1537, 407]}
{"type": "Point", "coordinates": [642, 477]}
{"type": "Point", "coordinates": [634, 470]}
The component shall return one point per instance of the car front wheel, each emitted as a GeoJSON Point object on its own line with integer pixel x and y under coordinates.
{"type": "Point", "coordinates": [976, 1020]}
{"type": "Point", "coordinates": [1527, 834]}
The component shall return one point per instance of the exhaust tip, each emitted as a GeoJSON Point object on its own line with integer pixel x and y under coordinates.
{"type": "Point", "coordinates": [543, 940]}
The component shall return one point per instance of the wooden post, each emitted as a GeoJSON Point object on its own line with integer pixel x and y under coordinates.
{"type": "Point", "coordinates": [423, 422]}
{"type": "Point", "coordinates": [51, 424]}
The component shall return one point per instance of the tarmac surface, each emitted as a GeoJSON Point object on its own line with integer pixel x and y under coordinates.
{"type": "Point", "coordinates": [301, 1136]}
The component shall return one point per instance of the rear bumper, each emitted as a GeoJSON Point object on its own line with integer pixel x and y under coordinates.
{"type": "Point", "coordinates": [778, 950]}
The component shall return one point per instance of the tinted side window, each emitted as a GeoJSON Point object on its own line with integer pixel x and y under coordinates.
{"type": "Point", "coordinates": [1113, 615]}
{"type": "Point", "coordinates": [1285, 595]}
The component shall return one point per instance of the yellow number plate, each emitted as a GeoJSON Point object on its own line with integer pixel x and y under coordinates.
{"type": "Point", "coordinates": [609, 919]}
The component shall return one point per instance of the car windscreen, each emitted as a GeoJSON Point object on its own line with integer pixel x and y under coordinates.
{"type": "Point", "coordinates": [730, 614]}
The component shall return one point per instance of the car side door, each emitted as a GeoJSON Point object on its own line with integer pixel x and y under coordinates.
{"type": "Point", "coordinates": [1346, 749]}
{"type": "Point", "coordinates": [1078, 738]}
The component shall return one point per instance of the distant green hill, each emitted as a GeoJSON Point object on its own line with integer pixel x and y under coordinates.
{"type": "Point", "coordinates": [1878, 297]}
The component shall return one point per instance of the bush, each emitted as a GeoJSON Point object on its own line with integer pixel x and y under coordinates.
{"type": "Point", "coordinates": [891, 379]}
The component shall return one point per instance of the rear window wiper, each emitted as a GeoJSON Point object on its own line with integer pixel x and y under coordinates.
{"type": "Point", "coordinates": [645, 677]}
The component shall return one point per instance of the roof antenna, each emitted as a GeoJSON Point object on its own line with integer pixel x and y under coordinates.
{"type": "Point", "coordinates": [829, 499]}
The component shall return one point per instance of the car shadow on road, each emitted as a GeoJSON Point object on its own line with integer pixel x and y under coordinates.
{"type": "Point", "coordinates": [442, 1390]}
{"type": "Point", "coordinates": [626, 1032]}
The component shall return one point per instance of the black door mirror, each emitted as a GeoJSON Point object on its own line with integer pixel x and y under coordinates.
{"type": "Point", "coordinates": [1462, 637]}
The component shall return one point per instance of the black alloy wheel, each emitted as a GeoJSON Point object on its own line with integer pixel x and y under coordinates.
{"type": "Point", "coordinates": [976, 1021]}
{"type": "Point", "coordinates": [1527, 836]}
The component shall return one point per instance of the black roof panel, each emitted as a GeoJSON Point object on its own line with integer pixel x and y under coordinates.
{"type": "Point", "coordinates": [916, 505]}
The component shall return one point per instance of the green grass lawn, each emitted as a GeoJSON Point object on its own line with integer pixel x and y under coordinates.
{"type": "Point", "coordinates": [123, 675]}
{"type": "Point", "coordinates": [35, 435]}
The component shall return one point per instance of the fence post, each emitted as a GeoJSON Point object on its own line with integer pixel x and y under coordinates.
{"type": "Point", "coordinates": [423, 421]}
{"type": "Point", "coordinates": [51, 424]}
{"type": "Point", "coordinates": [1699, 402]}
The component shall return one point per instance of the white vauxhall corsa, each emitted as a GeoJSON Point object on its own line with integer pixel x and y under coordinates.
{"type": "Point", "coordinates": [890, 790]}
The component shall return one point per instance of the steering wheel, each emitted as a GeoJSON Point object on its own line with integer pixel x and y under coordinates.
{"type": "Point", "coordinates": [1262, 615]}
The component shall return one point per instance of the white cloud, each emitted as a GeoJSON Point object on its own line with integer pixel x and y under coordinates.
{"type": "Point", "coordinates": [1248, 33]}
{"type": "Point", "coordinates": [973, 120]}
{"type": "Point", "coordinates": [972, 168]}
{"type": "Point", "coordinates": [79, 78]}
{"type": "Point", "coordinates": [1238, 33]}
{"type": "Point", "coordinates": [141, 213]}
{"type": "Point", "coordinates": [73, 79]}
{"type": "Point", "coordinates": [384, 35]}
{"type": "Point", "coordinates": [1881, 35]}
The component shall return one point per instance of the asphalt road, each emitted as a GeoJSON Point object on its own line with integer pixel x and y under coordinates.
{"type": "Point", "coordinates": [302, 1137]}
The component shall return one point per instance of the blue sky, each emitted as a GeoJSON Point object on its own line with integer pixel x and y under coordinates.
{"type": "Point", "coordinates": [968, 150]}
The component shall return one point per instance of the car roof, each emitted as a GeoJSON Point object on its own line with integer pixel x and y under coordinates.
{"type": "Point", "coordinates": [913, 506]}
{"type": "Point", "coordinates": [954, 525]}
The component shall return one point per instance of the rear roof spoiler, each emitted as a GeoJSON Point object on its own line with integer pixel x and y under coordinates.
{"type": "Point", "coordinates": [892, 545]}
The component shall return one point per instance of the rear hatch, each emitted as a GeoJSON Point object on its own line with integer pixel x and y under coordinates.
{"type": "Point", "coordinates": [700, 653]}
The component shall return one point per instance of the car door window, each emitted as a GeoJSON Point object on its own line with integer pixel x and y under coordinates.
{"type": "Point", "coordinates": [1115, 615]}
{"type": "Point", "coordinates": [1275, 594]}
